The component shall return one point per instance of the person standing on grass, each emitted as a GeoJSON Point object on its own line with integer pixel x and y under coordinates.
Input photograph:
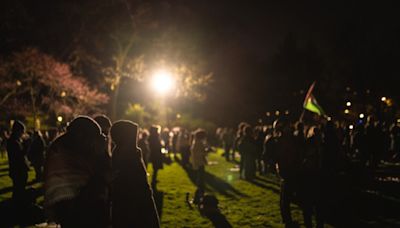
{"type": "Point", "coordinates": [144, 146]}
{"type": "Point", "coordinates": [198, 154]}
{"type": "Point", "coordinates": [75, 177]}
{"type": "Point", "coordinates": [248, 151]}
{"type": "Point", "coordinates": [156, 156]}
{"type": "Point", "coordinates": [132, 201]}
{"type": "Point", "coordinates": [18, 163]}
{"type": "Point", "coordinates": [36, 154]}
{"type": "Point", "coordinates": [228, 140]}
{"type": "Point", "coordinates": [288, 166]}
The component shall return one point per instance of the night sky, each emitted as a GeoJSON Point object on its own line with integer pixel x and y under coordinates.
{"type": "Point", "coordinates": [262, 53]}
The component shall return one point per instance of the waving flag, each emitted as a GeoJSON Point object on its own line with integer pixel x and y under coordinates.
{"type": "Point", "coordinates": [311, 104]}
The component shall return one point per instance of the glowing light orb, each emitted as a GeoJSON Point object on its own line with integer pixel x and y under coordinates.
{"type": "Point", "coordinates": [346, 111]}
{"type": "Point", "coordinates": [162, 82]}
{"type": "Point", "coordinates": [383, 99]}
{"type": "Point", "coordinates": [348, 104]}
{"type": "Point", "coordinates": [59, 118]}
{"type": "Point", "coordinates": [351, 127]}
{"type": "Point", "coordinates": [361, 115]}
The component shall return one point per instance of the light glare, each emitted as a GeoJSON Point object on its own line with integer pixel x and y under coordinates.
{"type": "Point", "coordinates": [162, 82]}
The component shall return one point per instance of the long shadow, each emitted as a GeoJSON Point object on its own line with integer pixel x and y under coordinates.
{"type": "Point", "coordinates": [27, 215]}
{"type": "Point", "coordinates": [218, 220]}
{"type": "Point", "coordinates": [222, 186]}
{"type": "Point", "coordinates": [4, 169]}
{"type": "Point", "coordinates": [215, 183]}
{"type": "Point", "coordinates": [268, 187]}
{"type": "Point", "coordinates": [158, 198]}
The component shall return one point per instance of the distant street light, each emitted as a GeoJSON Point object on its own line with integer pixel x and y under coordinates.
{"type": "Point", "coordinates": [346, 111]}
{"type": "Point", "coordinates": [348, 104]}
{"type": "Point", "coordinates": [63, 94]}
{"type": "Point", "coordinates": [277, 113]}
{"type": "Point", "coordinates": [351, 127]}
{"type": "Point", "coordinates": [383, 99]}
{"type": "Point", "coordinates": [59, 119]}
{"type": "Point", "coordinates": [361, 115]}
{"type": "Point", "coordinates": [162, 82]}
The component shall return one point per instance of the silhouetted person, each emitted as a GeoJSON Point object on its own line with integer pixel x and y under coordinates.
{"type": "Point", "coordinates": [248, 151]}
{"type": "Point", "coordinates": [331, 148]}
{"type": "Point", "coordinates": [156, 157]}
{"type": "Point", "coordinates": [132, 201]}
{"type": "Point", "coordinates": [310, 190]}
{"type": "Point", "coordinates": [18, 165]}
{"type": "Point", "coordinates": [239, 136]}
{"type": "Point", "coordinates": [198, 156]}
{"type": "Point", "coordinates": [288, 166]}
{"type": "Point", "coordinates": [270, 151]}
{"type": "Point", "coordinates": [359, 146]}
{"type": "Point", "coordinates": [184, 146]}
{"type": "Point", "coordinates": [228, 139]}
{"type": "Point", "coordinates": [259, 140]}
{"type": "Point", "coordinates": [143, 144]}
{"type": "Point", "coordinates": [75, 181]}
{"type": "Point", "coordinates": [105, 160]}
{"type": "Point", "coordinates": [36, 154]}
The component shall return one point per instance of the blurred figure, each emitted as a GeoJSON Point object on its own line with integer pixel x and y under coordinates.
{"type": "Point", "coordinates": [184, 146]}
{"type": "Point", "coordinates": [132, 201]}
{"type": "Point", "coordinates": [395, 142]}
{"type": "Point", "coordinates": [310, 190]}
{"type": "Point", "coordinates": [18, 163]}
{"type": "Point", "coordinates": [228, 141]}
{"type": "Point", "coordinates": [288, 166]}
{"type": "Point", "coordinates": [36, 154]}
{"type": "Point", "coordinates": [259, 142]}
{"type": "Point", "coordinates": [105, 160]}
{"type": "Point", "coordinates": [239, 136]}
{"type": "Point", "coordinates": [144, 146]}
{"type": "Point", "coordinates": [248, 151]}
{"type": "Point", "coordinates": [270, 151]}
{"type": "Point", "coordinates": [75, 181]}
{"type": "Point", "coordinates": [331, 149]}
{"type": "Point", "coordinates": [156, 156]}
{"type": "Point", "coordinates": [359, 146]}
{"type": "Point", "coordinates": [198, 160]}
{"type": "Point", "coordinates": [166, 140]}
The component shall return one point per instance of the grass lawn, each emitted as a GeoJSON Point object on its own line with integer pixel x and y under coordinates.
{"type": "Point", "coordinates": [244, 204]}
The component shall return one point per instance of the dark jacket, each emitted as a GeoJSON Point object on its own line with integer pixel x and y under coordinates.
{"type": "Point", "coordinates": [132, 198]}
{"type": "Point", "coordinates": [16, 157]}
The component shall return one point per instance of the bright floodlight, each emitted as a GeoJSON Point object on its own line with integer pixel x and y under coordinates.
{"type": "Point", "coordinates": [162, 82]}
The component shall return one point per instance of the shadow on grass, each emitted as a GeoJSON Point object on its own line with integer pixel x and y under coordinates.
{"type": "Point", "coordinates": [214, 183]}
{"type": "Point", "coordinates": [27, 214]}
{"type": "Point", "coordinates": [260, 184]}
{"type": "Point", "coordinates": [218, 220]}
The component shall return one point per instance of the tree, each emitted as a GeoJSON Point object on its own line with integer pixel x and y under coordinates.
{"type": "Point", "coordinates": [34, 82]}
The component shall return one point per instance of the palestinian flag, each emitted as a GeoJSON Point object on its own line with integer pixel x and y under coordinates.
{"type": "Point", "coordinates": [311, 104]}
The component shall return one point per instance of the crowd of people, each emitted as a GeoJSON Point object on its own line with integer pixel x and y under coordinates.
{"type": "Point", "coordinates": [308, 157]}
{"type": "Point", "coordinates": [95, 172]}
